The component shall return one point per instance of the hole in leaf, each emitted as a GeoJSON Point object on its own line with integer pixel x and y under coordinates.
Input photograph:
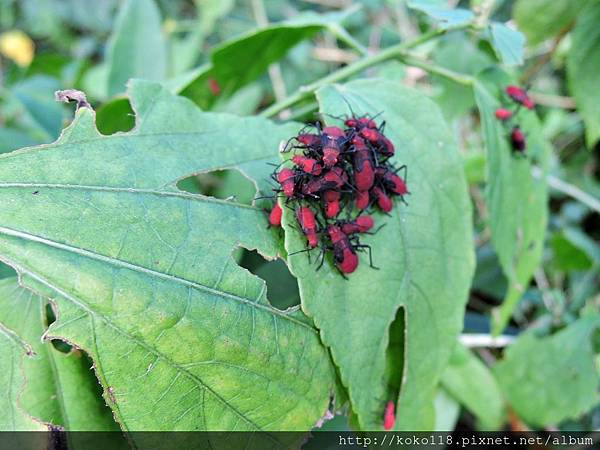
{"type": "Point", "coordinates": [225, 184]}
{"type": "Point", "coordinates": [116, 115]}
{"type": "Point", "coordinates": [59, 345]}
{"type": "Point", "coordinates": [394, 364]}
{"type": "Point", "coordinates": [282, 287]}
{"type": "Point", "coordinates": [6, 271]}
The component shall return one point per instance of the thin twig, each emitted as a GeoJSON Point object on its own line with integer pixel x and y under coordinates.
{"type": "Point", "coordinates": [474, 340]}
{"type": "Point", "coordinates": [553, 101]}
{"type": "Point", "coordinates": [568, 189]}
{"type": "Point", "coordinates": [395, 51]}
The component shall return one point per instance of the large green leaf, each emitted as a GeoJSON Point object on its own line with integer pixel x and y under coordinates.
{"type": "Point", "coordinates": [142, 277]}
{"type": "Point", "coordinates": [137, 47]}
{"type": "Point", "coordinates": [242, 59]}
{"type": "Point", "coordinates": [470, 381]}
{"type": "Point", "coordinates": [541, 19]}
{"type": "Point", "coordinates": [61, 389]}
{"type": "Point", "coordinates": [517, 202]}
{"type": "Point", "coordinates": [425, 257]}
{"type": "Point", "coordinates": [547, 380]}
{"type": "Point", "coordinates": [583, 64]}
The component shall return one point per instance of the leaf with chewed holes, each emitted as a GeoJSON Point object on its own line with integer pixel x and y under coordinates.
{"type": "Point", "coordinates": [141, 274]}
{"type": "Point", "coordinates": [393, 329]}
{"type": "Point", "coordinates": [60, 388]}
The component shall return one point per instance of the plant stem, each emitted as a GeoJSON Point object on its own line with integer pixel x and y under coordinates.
{"type": "Point", "coordinates": [568, 189]}
{"type": "Point", "coordinates": [459, 78]}
{"type": "Point", "coordinates": [395, 51]}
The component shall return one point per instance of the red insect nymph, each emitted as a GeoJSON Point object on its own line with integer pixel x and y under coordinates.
{"type": "Point", "coordinates": [344, 256]}
{"type": "Point", "coordinates": [286, 178]}
{"type": "Point", "coordinates": [308, 223]}
{"type": "Point", "coordinates": [308, 165]}
{"type": "Point", "coordinates": [389, 416]}
{"type": "Point", "coordinates": [519, 95]}
{"type": "Point", "coordinates": [383, 201]}
{"type": "Point", "coordinates": [517, 139]}
{"type": "Point", "coordinates": [275, 216]}
{"type": "Point", "coordinates": [361, 224]}
{"type": "Point", "coordinates": [503, 114]}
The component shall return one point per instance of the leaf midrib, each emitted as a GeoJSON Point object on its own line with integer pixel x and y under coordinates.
{"type": "Point", "coordinates": [80, 304]}
{"type": "Point", "coordinates": [144, 270]}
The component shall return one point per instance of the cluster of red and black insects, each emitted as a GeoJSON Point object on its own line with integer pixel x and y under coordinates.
{"type": "Point", "coordinates": [337, 172]}
{"type": "Point", "coordinates": [521, 98]}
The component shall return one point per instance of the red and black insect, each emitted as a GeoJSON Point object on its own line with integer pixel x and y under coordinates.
{"type": "Point", "coordinates": [364, 175]}
{"type": "Point", "coordinates": [362, 200]}
{"type": "Point", "coordinates": [331, 203]}
{"type": "Point", "coordinates": [287, 180]}
{"type": "Point", "coordinates": [360, 122]}
{"type": "Point", "coordinates": [389, 416]}
{"type": "Point", "coordinates": [308, 224]}
{"type": "Point", "coordinates": [362, 224]}
{"type": "Point", "coordinates": [308, 165]}
{"type": "Point", "coordinates": [332, 140]}
{"type": "Point", "coordinates": [391, 180]}
{"type": "Point", "coordinates": [517, 139]}
{"type": "Point", "coordinates": [520, 95]}
{"type": "Point", "coordinates": [383, 200]}
{"type": "Point", "coordinates": [503, 114]}
{"type": "Point", "coordinates": [333, 179]}
{"type": "Point", "coordinates": [275, 216]}
{"type": "Point", "coordinates": [344, 256]}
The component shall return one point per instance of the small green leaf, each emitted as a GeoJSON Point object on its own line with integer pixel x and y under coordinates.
{"type": "Point", "coordinates": [470, 381]}
{"type": "Point", "coordinates": [542, 19]}
{"type": "Point", "coordinates": [60, 388]}
{"type": "Point", "coordinates": [583, 65]}
{"type": "Point", "coordinates": [551, 379]}
{"type": "Point", "coordinates": [509, 44]}
{"type": "Point", "coordinates": [440, 12]}
{"type": "Point", "coordinates": [142, 276]}
{"type": "Point", "coordinates": [425, 257]}
{"type": "Point", "coordinates": [242, 59]}
{"type": "Point", "coordinates": [516, 201]}
{"type": "Point", "coordinates": [137, 47]}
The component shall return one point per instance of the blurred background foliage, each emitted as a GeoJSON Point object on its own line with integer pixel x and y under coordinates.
{"type": "Point", "coordinates": [241, 56]}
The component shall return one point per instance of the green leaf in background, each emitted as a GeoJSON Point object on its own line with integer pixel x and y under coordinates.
{"type": "Point", "coordinates": [60, 389]}
{"type": "Point", "coordinates": [509, 44]}
{"type": "Point", "coordinates": [458, 52]}
{"type": "Point", "coordinates": [36, 95]}
{"type": "Point", "coordinates": [517, 202]}
{"type": "Point", "coordinates": [551, 379]}
{"type": "Point", "coordinates": [447, 412]}
{"type": "Point", "coordinates": [12, 139]}
{"type": "Point", "coordinates": [137, 47]}
{"type": "Point", "coordinates": [241, 60]}
{"type": "Point", "coordinates": [142, 277]}
{"type": "Point", "coordinates": [426, 262]}
{"type": "Point", "coordinates": [583, 66]}
{"type": "Point", "coordinates": [574, 250]}
{"type": "Point", "coordinates": [470, 382]}
{"type": "Point", "coordinates": [542, 19]}
{"type": "Point", "coordinates": [442, 13]}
